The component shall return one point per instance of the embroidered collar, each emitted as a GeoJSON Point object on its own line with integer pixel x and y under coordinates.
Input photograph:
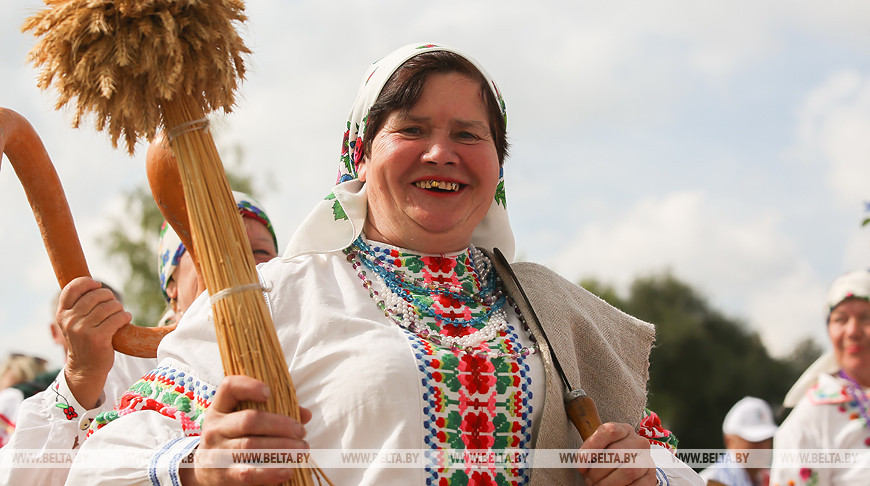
{"type": "Point", "coordinates": [830, 390]}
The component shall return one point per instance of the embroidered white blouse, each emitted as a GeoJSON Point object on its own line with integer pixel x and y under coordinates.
{"type": "Point", "coordinates": [358, 372]}
{"type": "Point", "coordinates": [824, 425]}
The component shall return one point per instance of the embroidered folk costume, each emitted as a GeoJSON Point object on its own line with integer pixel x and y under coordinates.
{"type": "Point", "coordinates": [394, 349]}
{"type": "Point", "coordinates": [832, 415]}
{"type": "Point", "coordinates": [833, 412]}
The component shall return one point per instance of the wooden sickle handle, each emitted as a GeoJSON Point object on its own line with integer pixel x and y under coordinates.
{"type": "Point", "coordinates": [30, 161]}
{"type": "Point", "coordinates": [582, 412]}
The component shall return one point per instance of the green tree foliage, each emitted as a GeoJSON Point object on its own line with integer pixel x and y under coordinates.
{"type": "Point", "coordinates": [703, 361]}
{"type": "Point", "coordinates": [132, 243]}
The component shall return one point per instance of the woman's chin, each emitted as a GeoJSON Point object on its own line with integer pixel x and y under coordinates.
{"type": "Point", "coordinates": [857, 367]}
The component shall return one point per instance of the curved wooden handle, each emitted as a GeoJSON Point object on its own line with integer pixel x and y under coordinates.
{"type": "Point", "coordinates": [165, 181]}
{"type": "Point", "coordinates": [30, 161]}
{"type": "Point", "coordinates": [168, 191]}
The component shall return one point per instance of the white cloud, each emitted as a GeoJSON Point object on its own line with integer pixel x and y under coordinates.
{"type": "Point", "coordinates": [842, 21]}
{"type": "Point", "coordinates": [833, 127]}
{"type": "Point", "coordinates": [789, 309]}
{"type": "Point", "coordinates": [743, 265]}
{"type": "Point", "coordinates": [857, 250]}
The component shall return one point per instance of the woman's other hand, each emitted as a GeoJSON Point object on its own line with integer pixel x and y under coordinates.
{"type": "Point", "coordinates": [225, 428]}
{"type": "Point", "coordinates": [88, 316]}
{"type": "Point", "coordinates": [635, 466]}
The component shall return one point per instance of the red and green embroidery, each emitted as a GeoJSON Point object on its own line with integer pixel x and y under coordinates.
{"type": "Point", "coordinates": [170, 392]}
{"type": "Point", "coordinates": [472, 401]}
{"type": "Point", "coordinates": [351, 153]}
{"type": "Point", "coordinates": [651, 429]}
{"type": "Point", "coordinates": [63, 403]}
{"type": "Point", "coordinates": [6, 429]}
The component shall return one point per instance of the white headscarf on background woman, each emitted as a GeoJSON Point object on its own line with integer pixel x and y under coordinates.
{"type": "Point", "coordinates": [336, 221]}
{"type": "Point", "coordinates": [170, 249]}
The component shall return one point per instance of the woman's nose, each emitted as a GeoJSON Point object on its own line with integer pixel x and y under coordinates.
{"type": "Point", "coordinates": [440, 151]}
{"type": "Point", "coordinates": [854, 326]}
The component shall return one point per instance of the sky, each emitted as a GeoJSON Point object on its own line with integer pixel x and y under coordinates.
{"type": "Point", "coordinates": [727, 142]}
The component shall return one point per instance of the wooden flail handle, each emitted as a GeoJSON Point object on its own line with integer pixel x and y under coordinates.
{"type": "Point", "coordinates": [30, 161]}
{"type": "Point", "coordinates": [161, 167]}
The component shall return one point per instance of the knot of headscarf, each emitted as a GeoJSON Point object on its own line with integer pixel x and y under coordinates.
{"type": "Point", "coordinates": [337, 220]}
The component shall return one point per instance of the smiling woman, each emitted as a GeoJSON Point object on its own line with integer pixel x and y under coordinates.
{"type": "Point", "coordinates": [401, 327]}
{"type": "Point", "coordinates": [834, 413]}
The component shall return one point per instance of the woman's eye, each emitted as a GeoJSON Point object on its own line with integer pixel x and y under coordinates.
{"type": "Point", "coordinates": [260, 252]}
{"type": "Point", "coordinates": [467, 136]}
{"type": "Point", "coordinates": [411, 130]}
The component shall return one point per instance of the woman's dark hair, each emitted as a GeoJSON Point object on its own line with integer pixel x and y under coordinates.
{"type": "Point", "coordinates": [405, 86]}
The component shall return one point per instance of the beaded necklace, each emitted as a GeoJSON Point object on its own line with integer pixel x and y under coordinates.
{"type": "Point", "coordinates": [858, 395]}
{"type": "Point", "coordinates": [408, 302]}
{"type": "Point", "coordinates": [383, 261]}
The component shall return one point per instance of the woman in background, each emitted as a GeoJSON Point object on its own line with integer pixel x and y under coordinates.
{"type": "Point", "coordinates": [834, 413]}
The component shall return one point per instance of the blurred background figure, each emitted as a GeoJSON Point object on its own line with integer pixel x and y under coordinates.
{"type": "Point", "coordinates": [28, 376]}
{"type": "Point", "coordinates": [17, 369]}
{"type": "Point", "coordinates": [175, 267]}
{"type": "Point", "coordinates": [64, 402]}
{"type": "Point", "coordinates": [833, 411]}
{"type": "Point", "coordinates": [748, 428]}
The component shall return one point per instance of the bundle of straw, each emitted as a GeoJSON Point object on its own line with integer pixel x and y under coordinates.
{"type": "Point", "coordinates": [121, 59]}
{"type": "Point", "coordinates": [137, 64]}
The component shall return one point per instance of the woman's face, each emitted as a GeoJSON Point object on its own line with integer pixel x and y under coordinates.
{"type": "Point", "coordinates": [8, 379]}
{"type": "Point", "coordinates": [849, 330]}
{"type": "Point", "coordinates": [433, 171]}
{"type": "Point", "coordinates": [183, 284]}
{"type": "Point", "coordinates": [261, 240]}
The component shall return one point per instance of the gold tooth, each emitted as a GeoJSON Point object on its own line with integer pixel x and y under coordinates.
{"type": "Point", "coordinates": [447, 186]}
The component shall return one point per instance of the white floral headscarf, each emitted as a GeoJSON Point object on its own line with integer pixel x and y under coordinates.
{"type": "Point", "coordinates": [338, 220]}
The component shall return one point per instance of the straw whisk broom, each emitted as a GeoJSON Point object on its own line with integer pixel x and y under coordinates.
{"type": "Point", "coordinates": [137, 65]}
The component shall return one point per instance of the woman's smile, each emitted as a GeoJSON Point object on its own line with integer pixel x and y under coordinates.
{"type": "Point", "coordinates": [439, 186]}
